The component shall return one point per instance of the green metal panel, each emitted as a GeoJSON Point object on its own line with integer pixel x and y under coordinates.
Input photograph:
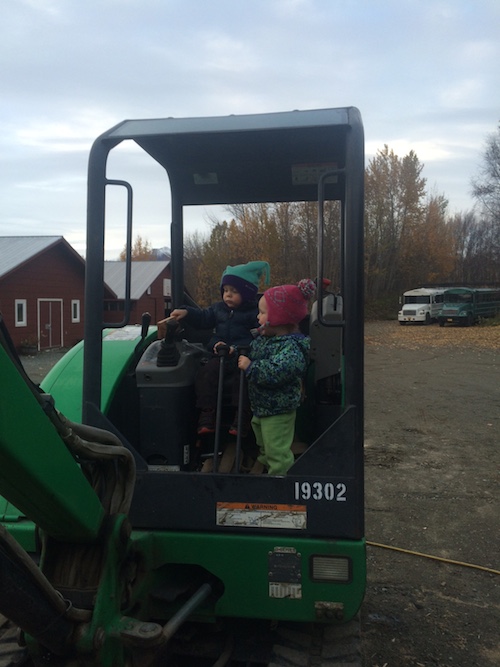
{"type": "Point", "coordinates": [24, 534]}
{"type": "Point", "coordinates": [8, 512]}
{"type": "Point", "coordinates": [241, 562]}
{"type": "Point", "coordinates": [37, 472]}
{"type": "Point", "coordinates": [64, 382]}
{"type": "Point", "coordinates": [18, 526]}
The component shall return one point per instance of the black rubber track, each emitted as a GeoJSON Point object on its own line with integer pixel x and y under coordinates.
{"type": "Point", "coordinates": [294, 645]}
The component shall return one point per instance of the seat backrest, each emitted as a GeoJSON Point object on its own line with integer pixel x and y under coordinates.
{"type": "Point", "coordinates": [326, 342]}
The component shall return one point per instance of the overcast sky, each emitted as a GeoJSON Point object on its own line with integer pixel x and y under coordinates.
{"type": "Point", "coordinates": [425, 75]}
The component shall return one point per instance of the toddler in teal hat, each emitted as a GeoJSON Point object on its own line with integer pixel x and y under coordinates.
{"type": "Point", "coordinates": [232, 321]}
{"type": "Point", "coordinates": [246, 278]}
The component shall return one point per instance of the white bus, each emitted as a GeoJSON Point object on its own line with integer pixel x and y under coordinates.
{"type": "Point", "coordinates": [421, 305]}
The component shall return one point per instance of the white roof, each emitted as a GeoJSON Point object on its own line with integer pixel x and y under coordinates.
{"type": "Point", "coordinates": [142, 276]}
{"type": "Point", "coordinates": [420, 291]}
{"type": "Point", "coordinates": [16, 250]}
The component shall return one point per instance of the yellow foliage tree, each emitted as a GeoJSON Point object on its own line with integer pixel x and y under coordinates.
{"type": "Point", "coordinates": [141, 250]}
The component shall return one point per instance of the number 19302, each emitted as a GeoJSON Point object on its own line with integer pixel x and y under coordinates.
{"type": "Point", "coordinates": [320, 491]}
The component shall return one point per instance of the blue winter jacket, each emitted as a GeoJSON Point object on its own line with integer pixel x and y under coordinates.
{"type": "Point", "coordinates": [278, 365]}
{"type": "Point", "coordinates": [233, 327]}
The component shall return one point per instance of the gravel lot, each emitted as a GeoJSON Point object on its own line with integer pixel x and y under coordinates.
{"type": "Point", "coordinates": [432, 487]}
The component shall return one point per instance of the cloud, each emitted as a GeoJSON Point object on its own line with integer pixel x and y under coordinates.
{"type": "Point", "coordinates": [462, 93]}
{"type": "Point", "coordinates": [50, 7]}
{"type": "Point", "coordinates": [427, 151]}
{"type": "Point", "coordinates": [424, 75]}
{"type": "Point", "coordinates": [63, 137]}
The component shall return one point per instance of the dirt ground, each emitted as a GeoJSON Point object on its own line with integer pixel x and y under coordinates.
{"type": "Point", "coordinates": [432, 487]}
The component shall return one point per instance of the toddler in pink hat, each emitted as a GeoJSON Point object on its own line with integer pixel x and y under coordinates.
{"type": "Point", "coordinates": [275, 368]}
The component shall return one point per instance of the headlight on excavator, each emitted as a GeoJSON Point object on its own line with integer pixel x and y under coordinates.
{"type": "Point", "coordinates": [331, 568]}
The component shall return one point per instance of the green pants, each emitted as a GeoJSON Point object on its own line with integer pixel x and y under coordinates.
{"type": "Point", "coordinates": [274, 436]}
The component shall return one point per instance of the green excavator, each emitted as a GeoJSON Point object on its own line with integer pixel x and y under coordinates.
{"type": "Point", "coordinates": [116, 546]}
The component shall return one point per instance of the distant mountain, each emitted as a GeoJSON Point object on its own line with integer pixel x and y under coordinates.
{"type": "Point", "coordinates": [161, 254]}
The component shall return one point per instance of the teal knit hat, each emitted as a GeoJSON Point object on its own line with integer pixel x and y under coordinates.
{"type": "Point", "coordinates": [246, 278]}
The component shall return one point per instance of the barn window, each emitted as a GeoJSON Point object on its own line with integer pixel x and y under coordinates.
{"type": "Point", "coordinates": [21, 315]}
{"type": "Point", "coordinates": [114, 306]}
{"type": "Point", "coordinates": [75, 310]}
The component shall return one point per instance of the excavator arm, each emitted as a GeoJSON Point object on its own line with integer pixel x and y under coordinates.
{"type": "Point", "coordinates": [75, 484]}
{"type": "Point", "coordinates": [38, 474]}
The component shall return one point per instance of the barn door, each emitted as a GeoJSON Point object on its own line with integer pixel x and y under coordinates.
{"type": "Point", "coordinates": [50, 322]}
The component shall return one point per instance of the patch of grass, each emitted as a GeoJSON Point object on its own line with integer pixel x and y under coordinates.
{"type": "Point", "coordinates": [382, 309]}
{"type": "Point", "coordinates": [490, 321]}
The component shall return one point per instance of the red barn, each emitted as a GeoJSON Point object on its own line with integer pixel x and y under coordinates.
{"type": "Point", "coordinates": [149, 290]}
{"type": "Point", "coordinates": [42, 291]}
{"type": "Point", "coordinates": [42, 285]}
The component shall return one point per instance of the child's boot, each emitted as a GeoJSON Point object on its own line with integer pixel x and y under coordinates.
{"type": "Point", "coordinates": [246, 419]}
{"type": "Point", "coordinates": [206, 421]}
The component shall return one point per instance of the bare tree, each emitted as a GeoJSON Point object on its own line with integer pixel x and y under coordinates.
{"type": "Point", "coordinates": [486, 187]}
{"type": "Point", "coordinates": [476, 255]}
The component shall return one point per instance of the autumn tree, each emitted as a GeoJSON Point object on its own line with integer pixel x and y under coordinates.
{"type": "Point", "coordinates": [428, 253]}
{"type": "Point", "coordinates": [252, 234]}
{"type": "Point", "coordinates": [141, 250]}
{"type": "Point", "coordinates": [194, 251]}
{"type": "Point", "coordinates": [409, 238]}
{"type": "Point", "coordinates": [394, 211]}
{"type": "Point", "coordinates": [439, 243]}
{"type": "Point", "coordinates": [212, 264]}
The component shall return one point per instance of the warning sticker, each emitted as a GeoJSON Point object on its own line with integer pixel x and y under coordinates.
{"type": "Point", "coordinates": [262, 515]}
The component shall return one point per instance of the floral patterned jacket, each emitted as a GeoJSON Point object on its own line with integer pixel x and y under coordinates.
{"type": "Point", "coordinates": [278, 365]}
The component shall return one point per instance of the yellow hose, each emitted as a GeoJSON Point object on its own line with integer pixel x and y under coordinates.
{"type": "Point", "coordinates": [438, 558]}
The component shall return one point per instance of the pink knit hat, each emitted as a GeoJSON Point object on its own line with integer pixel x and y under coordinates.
{"type": "Point", "coordinates": [287, 304]}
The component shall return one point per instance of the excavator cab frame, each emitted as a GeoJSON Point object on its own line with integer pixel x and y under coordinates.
{"type": "Point", "coordinates": [173, 543]}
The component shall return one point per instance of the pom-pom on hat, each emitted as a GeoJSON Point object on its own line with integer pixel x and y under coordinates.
{"type": "Point", "coordinates": [246, 278]}
{"type": "Point", "coordinates": [287, 304]}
